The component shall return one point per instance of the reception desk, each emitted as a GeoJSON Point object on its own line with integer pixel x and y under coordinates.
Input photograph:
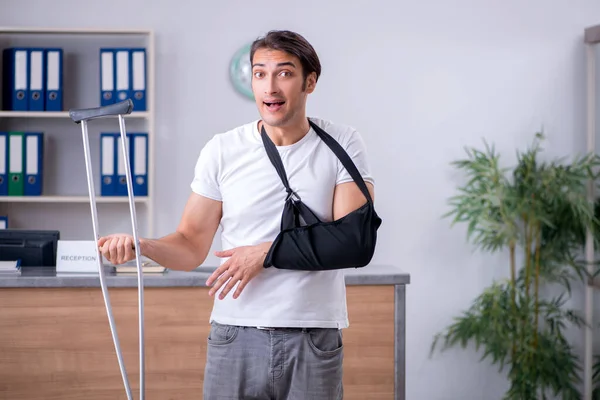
{"type": "Point", "coordinates": [56, 342]}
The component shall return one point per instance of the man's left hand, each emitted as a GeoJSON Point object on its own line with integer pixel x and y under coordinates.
{"type": "Point", "coordinates": [244, 264]}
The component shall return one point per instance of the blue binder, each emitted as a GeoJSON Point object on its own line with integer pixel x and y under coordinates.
{"type": "Point", "coordinates": [121, 186]}
{"type": "Point", "coordinates": [3, 222]}
{"type": "Point", "coordinates": [122, 74]}
{"type": "Point", "coordinates": [108, 168]}
{"type": "Point", "coordinates": [34, 163]}
{"type": "Point", "coordinates": [15, 90]}
{"type": "Point", "coordinates": [107, 76]}
{"type": "Point", "coordinates": [139, 163]}
{"type": "Point", "coordinates": [37, 92]}
{"type": "Point", "coordinates": [138, 79]}
{"type": "Point", "coordinates": [54, 79]}
{"type": "Point", "coordinates": [4, 163]}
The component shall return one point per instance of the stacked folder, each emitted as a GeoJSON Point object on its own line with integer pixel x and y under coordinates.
{"type": "Point", "coordinates": [148, 267]}
{"type": "Point", "coordinates": [32, 79]}
{"type": "Point", "coordinates": [123, 76]}
{"type": "Point", "coordinates": [112, 165]}
{"type": "Point", "coordinates": [10, 268]}
{"type": "Point", "coordinates": [21, 163]}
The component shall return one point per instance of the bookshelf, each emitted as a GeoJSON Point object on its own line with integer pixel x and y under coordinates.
{"type": "Point", "coordinates": [64, 203]}
{"type": "Point", "coordinates": [55, 114]}
{"type": "Point", "coordinates": [69, 199]}
{"type": "Point", "coordinates": [591, 39]}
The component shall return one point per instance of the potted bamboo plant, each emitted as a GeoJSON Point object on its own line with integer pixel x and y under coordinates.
{"type": "Point", "coordinates": [537, 213]}
{"type": "Point", "coordinates": [596, 378]}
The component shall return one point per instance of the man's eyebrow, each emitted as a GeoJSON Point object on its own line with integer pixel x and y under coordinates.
{"type": "Point", "coordinates": [282, 64]}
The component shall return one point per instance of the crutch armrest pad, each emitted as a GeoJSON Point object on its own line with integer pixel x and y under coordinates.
{"type": "Point", "coordinates": [85, 114]}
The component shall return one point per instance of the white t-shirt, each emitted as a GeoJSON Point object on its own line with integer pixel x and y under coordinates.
{"type": "Point", "coordinates": [234, 168]}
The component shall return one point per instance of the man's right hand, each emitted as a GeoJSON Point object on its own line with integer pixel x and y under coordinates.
{"type": "Point", "coordinates": [184, 250]}
{"type": "Point", "coordinates": [118, 248]}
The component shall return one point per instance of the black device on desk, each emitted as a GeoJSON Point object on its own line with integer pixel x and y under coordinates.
{"type": "Point", "coordinates": [33, 248]}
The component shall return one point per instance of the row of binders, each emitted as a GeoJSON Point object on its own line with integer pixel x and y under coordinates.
{"type": "Point", "coordinates": [21, 163]}
{"type": "Point", "coordinates": [123, 76]}
{"type": "Point", "coordinates": [32, 79]}
{"type": "Point", "coordinates": [113, 176]}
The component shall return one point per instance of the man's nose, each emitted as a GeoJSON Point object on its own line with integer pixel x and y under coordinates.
{"type": "Point", "coordinates": [271, 87]}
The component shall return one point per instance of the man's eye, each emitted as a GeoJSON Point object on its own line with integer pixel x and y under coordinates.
{"type": "Point", "coordinates": [257, 74]}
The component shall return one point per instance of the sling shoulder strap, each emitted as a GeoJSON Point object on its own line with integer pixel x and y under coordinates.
{"type": "Point", "coordinates": [293, 201]}
{"type": "Point", "coordinates": [345, 159]}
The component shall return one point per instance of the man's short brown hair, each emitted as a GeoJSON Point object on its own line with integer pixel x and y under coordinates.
{"type": "Point", "coordinates": [292, 43]}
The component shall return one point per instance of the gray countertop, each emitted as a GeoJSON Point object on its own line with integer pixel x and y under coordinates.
{"type": "Point", "coordinates": [47, 277]}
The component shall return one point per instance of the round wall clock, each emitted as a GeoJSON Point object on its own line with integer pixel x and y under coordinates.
{"type": "Point", "coordinates": [240, 72]}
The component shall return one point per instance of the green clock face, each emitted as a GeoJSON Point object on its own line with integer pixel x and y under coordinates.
{"type": "Point", "coordinates": [240, 72]}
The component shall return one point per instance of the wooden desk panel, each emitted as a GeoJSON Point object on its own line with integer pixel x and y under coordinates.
{"type": "Point", "coordinates": [56, 343]}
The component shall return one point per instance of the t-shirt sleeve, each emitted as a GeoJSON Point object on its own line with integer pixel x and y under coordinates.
{"type": "Point", "coordinates": [206, 172]}
{"type": "Point", "coordinates": [356, 149]}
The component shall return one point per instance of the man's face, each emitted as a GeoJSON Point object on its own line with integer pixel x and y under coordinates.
{"type": "Point", "coordinates": [279, 87]}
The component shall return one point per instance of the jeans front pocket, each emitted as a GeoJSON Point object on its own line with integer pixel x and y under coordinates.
{"type": "Point", "coordinates": [325, 342]}
{"type": "Point", "coordinates": [221, 335]}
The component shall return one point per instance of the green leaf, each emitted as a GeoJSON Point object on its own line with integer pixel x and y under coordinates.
{"type": "Point", "coordinates": [541, 207]}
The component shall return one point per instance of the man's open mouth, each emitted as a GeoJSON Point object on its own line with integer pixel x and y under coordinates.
{"type": "Point", "coordinates": [274, 106]}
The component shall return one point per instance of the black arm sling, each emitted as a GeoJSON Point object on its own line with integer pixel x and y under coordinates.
{"type": "Point", "coordinates": [348, 242]}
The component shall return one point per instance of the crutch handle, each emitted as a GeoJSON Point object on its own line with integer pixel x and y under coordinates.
{"type": "Point", "coordinates": [85, 114]}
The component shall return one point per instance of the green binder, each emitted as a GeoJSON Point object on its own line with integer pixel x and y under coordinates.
{"type": "Point", "coordinates": [16, 158]}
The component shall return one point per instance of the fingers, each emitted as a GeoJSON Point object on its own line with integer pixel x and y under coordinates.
{"type": "Point", "coordinates": [224, 253]}
{"type": "Point", "coordinates": [124, 250]}
{"type": "Point", "coordinates": [232, 282]}
{"type": "Point", "coordinates": [117, 249]}
{"type": "Point", "coordinates": [243, 264]}
{"type": "Point", "coordinates": [222, 268]}
{"type": "Point", "coordinates": [112, 250]}
{"type": "Point", "coordinates": [222, 279]}
{"type": "Point", "coordinates": [218, 272]}
{"type": "Point", "coordinates": [101, 241]}
{"type": "Point", "coordinates": [240, 287]}
{"type": "Point", "coordinates": [129, 249]}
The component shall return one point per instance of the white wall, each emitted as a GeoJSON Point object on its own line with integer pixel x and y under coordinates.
{"type": "Point", "coordinates": [420, 80]}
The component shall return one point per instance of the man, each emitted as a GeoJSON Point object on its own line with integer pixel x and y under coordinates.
{"type": "Point", "coordinates": [276, 333]}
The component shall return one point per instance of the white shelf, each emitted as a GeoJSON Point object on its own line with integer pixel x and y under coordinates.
{"type": "Point", "coordinates": [69, 199]}
{"type": "Point", "coordinates": [57, 114]}
{"type": "Point", "coordinates": [75, 31]}
{"type": "Point", "coordinates": [80, 44]}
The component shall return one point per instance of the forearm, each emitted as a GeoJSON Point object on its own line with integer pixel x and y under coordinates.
{"type": "Point", "coordinates": [175, 251]}
{"type": "Point", "coordinates": [323, 247]}
{"type": "Point", "coordinates": [289, 253]}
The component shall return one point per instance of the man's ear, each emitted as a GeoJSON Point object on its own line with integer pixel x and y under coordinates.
{"type": "Point", "coordinates": [311, 82]}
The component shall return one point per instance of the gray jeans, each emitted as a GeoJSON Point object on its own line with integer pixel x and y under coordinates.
{"type": "Point", "coordinates": [246, 363]}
